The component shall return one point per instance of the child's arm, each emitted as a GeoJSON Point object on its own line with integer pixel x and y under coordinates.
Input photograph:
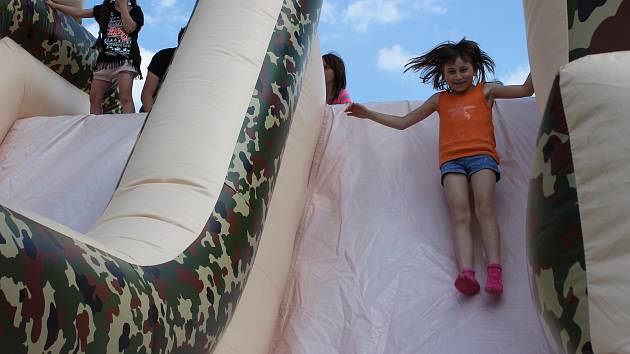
{"type": "Point", "coordinates": [148, 90]}
{"type": "Point", "coordinates": [71, 10]}
{"type": "Point", "coordinates": [413, 117]}
{"type": "Point", "coordinates": [128, 23]}
{"type": "Point", "coordinates": [511, 91]}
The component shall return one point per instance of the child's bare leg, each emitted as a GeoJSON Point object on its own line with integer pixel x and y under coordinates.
{"type": "Point", "coordinates": [483, 183]}
{"type": "Point", "coordinates": [125, 87]}
{"type": "Point", "coordinates": [97, 91]}
{"type": "Point", "coordinates": [456, 190]}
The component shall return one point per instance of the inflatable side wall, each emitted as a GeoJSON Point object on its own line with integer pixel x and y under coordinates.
{"type": "Point", "coordinates": [62, 292]}
{"type": "Point", "coordinates": [577, 222]}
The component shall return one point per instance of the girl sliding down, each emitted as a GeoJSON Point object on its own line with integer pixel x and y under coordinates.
{"type": "Point", "coordinates": [467, 150]}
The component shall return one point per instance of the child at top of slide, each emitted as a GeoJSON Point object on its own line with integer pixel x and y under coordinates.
{"type": "Point", "coordinates": [119, 54]}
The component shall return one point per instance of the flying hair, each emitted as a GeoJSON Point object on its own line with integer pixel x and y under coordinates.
{"type": "Point", "coordinates": [431, 64]}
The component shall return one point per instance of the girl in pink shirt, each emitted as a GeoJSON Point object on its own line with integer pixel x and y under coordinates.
{"type": "Point", "coordinates": [335, 77]}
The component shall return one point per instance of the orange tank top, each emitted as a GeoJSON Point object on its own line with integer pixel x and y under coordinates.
{"type": "Point", "coordinates": [465, 126]}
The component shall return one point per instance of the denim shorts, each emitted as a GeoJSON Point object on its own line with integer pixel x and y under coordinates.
{"type": "Point", "coordinates": [470, 165]}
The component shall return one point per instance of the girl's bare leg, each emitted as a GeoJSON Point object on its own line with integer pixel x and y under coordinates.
{"type": "Point", "coordinates": [125, 88]}
{"type": "Point", "coordinates": [97, 91]}
{"type": "Point", "coordinates": [483, 184]}
{"type": "Point", "coordinates": [456, 189]}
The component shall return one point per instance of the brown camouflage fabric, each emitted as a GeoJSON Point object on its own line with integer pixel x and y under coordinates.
{"type": "Point", "coordinates": [57, 40]}
{"type": "Point", "coordinates": [58, 295]}
{"type": "Point", "coordinates": [598, 26]}
{"type": "Point", "coordinates": [555, 245]}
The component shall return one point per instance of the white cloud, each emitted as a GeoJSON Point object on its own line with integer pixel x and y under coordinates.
{"type": "Point", "coordinates": [329, 13]}
{"type": "Point", "coordinates": [147, 55]}
{"type": "Point", "coordinates": [93, 28]}
{"type": "Point", "coordinates": [167, 3]}
{"type": "Point", "coordinates": [431, 6]}
{"type": "Point", "coordinates": [360, 14]}
{"type": "Point", "coordinates": [393, 58]}
{"type": "Point", "coordinates": [516, 76]}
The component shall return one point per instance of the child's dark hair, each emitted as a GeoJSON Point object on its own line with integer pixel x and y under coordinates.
{"type": "Point", "coordinates": [431, 64]}
{"type": "Point", "coordinates": [336, 64]}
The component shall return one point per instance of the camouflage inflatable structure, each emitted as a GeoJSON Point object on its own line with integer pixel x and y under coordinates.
{"type": "Point", "coordinates": [164, 267]}
{"type": "Point", "coordinates": [578, 200]}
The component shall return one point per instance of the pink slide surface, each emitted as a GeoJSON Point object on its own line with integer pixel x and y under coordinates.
{"type": "Point", "coordinates": [374, 267]}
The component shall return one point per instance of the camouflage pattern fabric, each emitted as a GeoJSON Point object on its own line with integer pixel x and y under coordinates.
{"type": "Point", "coordinates": [598, 26]}
{"type": "Point", "coordinates": [556, 249]}
{"type": "Point", "coordinates": [58, 295]}
{"type": "Point", "coordinates": [57, 40]}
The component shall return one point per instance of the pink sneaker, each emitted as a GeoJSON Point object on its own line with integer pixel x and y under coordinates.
{"type": "Point", "coordinates": [466, 282]}
{"type": "Point", "coordinates": [494, 284]}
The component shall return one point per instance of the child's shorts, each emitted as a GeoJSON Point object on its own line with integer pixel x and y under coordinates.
{"type": "Point", "coordinates": [108, 74]}
{"type": "Point", "coordinates": [470, 165]}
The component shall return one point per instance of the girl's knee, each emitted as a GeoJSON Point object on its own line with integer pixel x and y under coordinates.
{"type": "Point", "coordinates": [125, 98]}
{"type": "Point", "coordinates": [484, 208]}
{"type": "Point", "coordinates": [96, 100]}
{"type": "Point", "coordinates": [460, 214]}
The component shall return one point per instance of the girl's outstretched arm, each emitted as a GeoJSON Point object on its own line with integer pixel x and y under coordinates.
{"type": "Point", "coordinates": [71, 10]}
{"type": "Point", "coordinates": [511, 91]}
{"type": "Point", "coordinates": [128, 23]}
{"type": "Point", "coordinates": [397, 122]}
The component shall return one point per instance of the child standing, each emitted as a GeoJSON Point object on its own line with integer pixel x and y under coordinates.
{"type": "Point", "coordinates": [119, 54]}
{"type": "Point", "coordinates": [467, 148]}
{"type": "Point", "coordinates": [335, 77]}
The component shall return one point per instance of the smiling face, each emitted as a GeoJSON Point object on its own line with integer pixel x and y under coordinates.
{"type": "Point", "coordinates": [459, 75]}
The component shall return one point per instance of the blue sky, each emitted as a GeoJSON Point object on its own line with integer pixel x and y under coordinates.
{"type": "Point", "coordinates": [376, 37]}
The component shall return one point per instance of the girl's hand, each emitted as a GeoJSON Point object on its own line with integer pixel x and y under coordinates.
{"type": "Point", "coordinates": [51, 4]}
{"type": "Point", "coordinates": [358, 110]}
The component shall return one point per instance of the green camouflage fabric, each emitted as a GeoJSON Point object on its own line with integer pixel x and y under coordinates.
{"type": "Point", "coordinates": [598, 26]}
{"type": "Point", "coordinates": [58, 295]}
{"type": "Point", "coordinates": [57, 40]}
{"type": "Point", "coordinates": [555, 245]}
{"type": "Point", "coordinates": [556, 249]}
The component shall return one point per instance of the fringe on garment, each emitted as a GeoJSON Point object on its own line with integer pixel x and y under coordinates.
{"type": "Point", "coordinates": [112, 65]}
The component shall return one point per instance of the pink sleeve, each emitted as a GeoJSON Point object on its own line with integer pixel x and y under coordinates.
{"type": "Point", "coordinates": [344, 97]}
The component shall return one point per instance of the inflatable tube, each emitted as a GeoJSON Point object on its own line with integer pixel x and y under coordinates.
{"type": "Point", "coordinates": [577, 227]}
{"type": "Point", "coordinates": [259, 307]}
{"type": "Point", "coordinates": [63, 292]}
{"type": "Point", "coordinates": [30, 89]}
{"type": "Point", "coordinates": [57, 40]}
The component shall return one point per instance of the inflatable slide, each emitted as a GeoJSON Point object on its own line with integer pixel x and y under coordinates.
{"type": "Point", "coordinates": [142, 233]}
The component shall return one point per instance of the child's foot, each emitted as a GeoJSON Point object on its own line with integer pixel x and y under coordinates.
{"type": "Point", "coordinates": [466, 282]}
{"type": "Point", "coordinates": [494, 284]}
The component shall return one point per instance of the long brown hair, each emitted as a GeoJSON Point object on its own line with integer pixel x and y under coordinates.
{"type": "Point", "coordinates": [336, 64]}
{"type": "Point", "coordinates": [431, 64]}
